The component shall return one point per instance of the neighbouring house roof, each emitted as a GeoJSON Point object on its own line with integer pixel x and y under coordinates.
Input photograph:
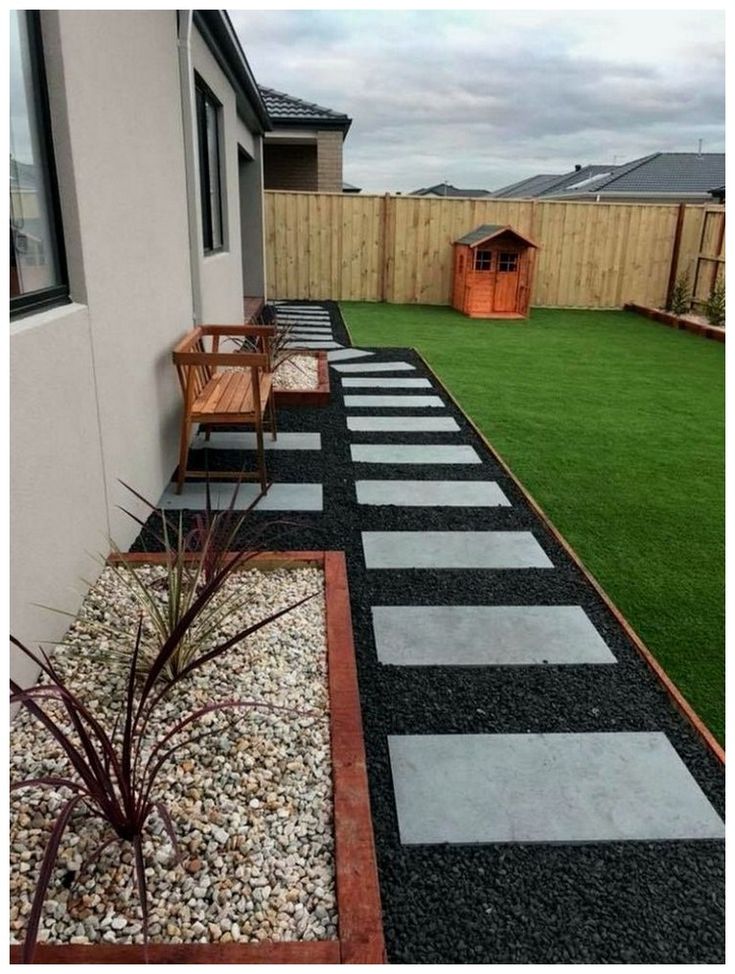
{"type": "Point", "coordinates": [719, 193]}
{"type": "Point", "coordinates": [446, 189]}
{"type": "Point", "coordinates": [349, 188]}
{"type": "Point", "coordinates": [287, 110]}
{"type": "Point", "coordinates": [531, 186]}
{"type": "Point", "coordinates": [661, 173]}
{"type": "Point", "coordinates": [546, 185]}
{"type": "Point", "coordinates": [487, 231]}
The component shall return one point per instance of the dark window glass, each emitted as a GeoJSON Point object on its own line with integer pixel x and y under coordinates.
{"type": "Point", "coordinates": [507, 262]}
{"type": "Point", "coordinates": [483, 260]}
{"type": "Point", "coordinates": [37, 265]}
{"type": "Point", "coordinates": [209, 167]}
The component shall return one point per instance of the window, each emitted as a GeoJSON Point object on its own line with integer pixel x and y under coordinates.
{"type": "Point", "coordinates": [209, 166]}
{"type": "Point", "coordinates": [483, 260]}
{"type": "Point", "coordinates": [507, 262]}
{"type": "Point", "coordinates": [37, 263]}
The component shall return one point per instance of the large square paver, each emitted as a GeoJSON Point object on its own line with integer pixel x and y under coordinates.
{"type": "Point", "coordinates": [453, 549]}
{"type": "Point", "coordinates": [308, 343]}
{"type": "Point", "coordinates": [393, 402]}
{"type": "Point", "coordinates": [381, 382]}
{"type": "Point", "coordinates": [220, 440]}
{"type": "Point", "coordinates": [342, 354]}
{"type": "Point", "coordinates": [402, 424]}
{"type": "Point", "coordinates": [280, 497]}
{"type": "Point", "coordinates": [486, 635]}
{"type": "Point", "coordinates": [413, 453]}
{"type": "Point", "coordinates": [431, 493]}
{"type": "Point", "coordinates": [596, 787]}
{"type": "Point", "coordinates": [376, 367]}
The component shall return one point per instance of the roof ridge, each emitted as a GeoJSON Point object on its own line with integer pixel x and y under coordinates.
{"type": "Point", "coordinates": [628, 167]}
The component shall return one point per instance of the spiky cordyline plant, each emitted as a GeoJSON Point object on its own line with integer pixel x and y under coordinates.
{"type": "Point", "coordinates": [113, 770]}
{"type": "Point", "coordinates": [282, 348]}
{"type": "Point", "coordinates": [193, 558]}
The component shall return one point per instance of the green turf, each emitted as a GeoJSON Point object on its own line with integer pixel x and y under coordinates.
{"type": "Point", "coordinates": [615, 424]}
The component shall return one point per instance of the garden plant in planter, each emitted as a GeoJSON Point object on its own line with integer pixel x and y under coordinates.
{"type": "Point", "coordinates": [112, 764]}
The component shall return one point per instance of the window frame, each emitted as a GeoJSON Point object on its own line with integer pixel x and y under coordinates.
{"type": "Point", "coordinates": [203, 95]}
{"type": "Point", "coordinates": [508, 257]}
{"type": "Point", "coordinates": [483, 260]}
{"type": "Point", "coordinates": [56, 294]}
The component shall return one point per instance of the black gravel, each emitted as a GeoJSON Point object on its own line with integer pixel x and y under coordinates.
{"type": "Point", "coordinates": [619, 902]}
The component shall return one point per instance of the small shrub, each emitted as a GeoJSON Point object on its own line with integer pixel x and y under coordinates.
{"type": "Point", "coordinates": [714, 308]}
{"type": "Point", "coordinates": [113, 769]}
{"type": "Point", "coordinates": [681, 298]}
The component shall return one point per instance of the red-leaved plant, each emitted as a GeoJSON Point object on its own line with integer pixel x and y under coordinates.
{"type": "Point", "coordinates": [113, 770]}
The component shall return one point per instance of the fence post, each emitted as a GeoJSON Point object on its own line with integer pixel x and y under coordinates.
{"type": "Point", "coordinates": [384, 247]}
{"type": "Point", "coordinates": [675, 253]}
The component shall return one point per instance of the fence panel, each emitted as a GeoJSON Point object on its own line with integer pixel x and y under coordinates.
{"type": "Point", "coordinates": [399, 248]}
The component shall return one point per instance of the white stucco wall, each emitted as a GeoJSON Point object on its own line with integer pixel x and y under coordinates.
{"type": "Point", "coordinates": [94, 393]}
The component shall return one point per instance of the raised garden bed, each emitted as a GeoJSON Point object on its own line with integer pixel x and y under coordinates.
{"type": "Point", "coordinates": [684, 323]}
{"type": "Point", "coordinates": [341, 925]}
{"type": "Point", "coordinates": [312, 393]}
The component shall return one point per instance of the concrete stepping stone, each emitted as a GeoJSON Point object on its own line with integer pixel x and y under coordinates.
{"type": "Point", "coordinates": [453, 549]}
{"type": "Point", "coordinates": [431, 493]}
{"type": "Point", "coordinates": [412, 453]}
{"type": "Point", "coordinates": [393, 402]}
{"type": "Point", "coordinates": [595, 787]}
{"type": "Point", "coordinates": [316, 345]}
{"type": "Point", "coordinates": [280, 497]}
{"type": "Point", "coordinates": [402, 424]}
{"type": "Point", "coordinates": [376, 367]}
{"type": "Point", "coordinates": [487, 635]}
{"type": "Point", "coordinates": [246, 441]}
{"type": "Point", "coordinates": [379, 382]}
{"type": "Point", "coordinates": [347, 353]}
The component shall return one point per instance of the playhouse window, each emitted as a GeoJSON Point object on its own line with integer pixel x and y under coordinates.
{"type": "Point", "coordinates": [483, 260]}
{"type": "Point", "coordinates": [507, 262]}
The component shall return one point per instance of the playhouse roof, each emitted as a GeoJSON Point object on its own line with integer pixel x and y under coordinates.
{"type": "Point", "coordinates": [487, 231]}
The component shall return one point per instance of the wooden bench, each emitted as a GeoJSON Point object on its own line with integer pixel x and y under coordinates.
{"type": "Point", "coordinates": [225, 388]}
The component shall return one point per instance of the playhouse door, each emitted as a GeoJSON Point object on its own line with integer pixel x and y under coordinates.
{"type": "Point", "coordinates": [507, 280]}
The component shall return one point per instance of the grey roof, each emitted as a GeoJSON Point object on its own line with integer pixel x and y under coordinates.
{"type": "Point", "coordinates": [446, 189]}
{"type": "Point", "coordinates": [545, 185]}
{"type": "Point", "coordinates": [286, 109]}
{"type": "Point", "coordinates": [487, 230]}
{"type": "Point", "coordinates": [531, 186]}
{"type": "Point", "coordinates": [349, 188]}
{"type": "Point", "coordinates": [669, 172]}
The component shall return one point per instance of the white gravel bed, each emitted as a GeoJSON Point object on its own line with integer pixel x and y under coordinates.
{"type": "Point", "coordinates": [251, 803]}
{"type": "Point", "coordinates": [297, 372]}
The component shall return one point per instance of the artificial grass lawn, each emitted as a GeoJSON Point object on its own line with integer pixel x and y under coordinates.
{"type": "Point", "coordinates": [615, 424]}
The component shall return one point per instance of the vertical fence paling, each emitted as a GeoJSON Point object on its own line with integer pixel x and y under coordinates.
{"type": "Point", "coordinates": [399, 248]}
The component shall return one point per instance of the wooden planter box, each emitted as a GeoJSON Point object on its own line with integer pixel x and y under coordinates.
{"type": "Point", "coordinates": [358, 894]}
{"type": "Point", "coordinates": [674, 321]}
{"type": "Point", "coordinates": [308, 397]}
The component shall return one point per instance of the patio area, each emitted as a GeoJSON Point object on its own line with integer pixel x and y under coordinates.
{"type": "Point", "coordinates": [536, 796]}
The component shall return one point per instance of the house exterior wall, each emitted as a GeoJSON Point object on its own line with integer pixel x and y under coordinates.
{"type": "Point", "coordinates": [329, 153]}
{"type": "Point", "coordinates": [94, 397]}
{"type": "Point", "coordinates": [290, 166]}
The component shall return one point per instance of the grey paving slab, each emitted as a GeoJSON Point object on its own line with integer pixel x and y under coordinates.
{"type": "Point", "coordinates": [280, 497]}
{"type": "Point", "coordinates": [246, 441]}
{"type": "Point", "coordinates": [393, 402]}
{"type": "Point", "coordinates": [319, 345]}
{"type": "Point", "coordinates": [453, 549]}
{"type": "Point", "coordinates": [309, 330]}
{"type": "Point", "coordinates": [402, 424]}
{"type": "Point", "coordinates": [431, 493]}
{"type": "Point", "coordinates": [381, 382]}
{"type": "Point", "coordinates": [596, 787]}
{"type": "Point", "coordinates": [347, 353]}
{"type": "Point", "coordinates": [487, 635]}
{"type": "Point", "coordinates": [376, 367]}
{"type": "Point", "coordinates": [412, 453]}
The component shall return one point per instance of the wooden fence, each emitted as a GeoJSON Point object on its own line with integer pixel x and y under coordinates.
{"type": "Point", "coordinates": [398, 248]}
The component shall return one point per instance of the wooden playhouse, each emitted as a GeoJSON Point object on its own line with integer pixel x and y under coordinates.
{"type": "Point", "coordinates": [493, 273]}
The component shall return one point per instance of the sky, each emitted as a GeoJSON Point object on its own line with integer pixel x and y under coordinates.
{"type": "Point", "coordinates": [485, 98]}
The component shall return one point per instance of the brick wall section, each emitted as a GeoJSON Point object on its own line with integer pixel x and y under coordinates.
{"type": "Point", "coordinates": [330, 161]}
{"type": "Point", "coordinates": [292, 167]}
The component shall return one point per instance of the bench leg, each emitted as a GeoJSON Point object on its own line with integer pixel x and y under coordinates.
{"type": "Point", "coordinates": [261, 458]}
{"type": "Point", "coordinates": [183, 453]}
{"type": "Point", "coordinates": [272, 414]}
